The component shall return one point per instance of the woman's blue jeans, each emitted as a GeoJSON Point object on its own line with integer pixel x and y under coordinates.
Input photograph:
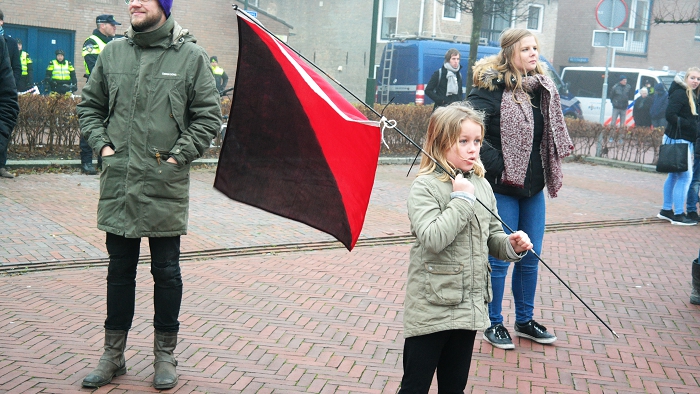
{"type": "Point", "coordinates": [526, 214]}
{"type": "Point", "coordinates": [694, 188]}
{"type": "Point", "coordinates": [677, 183]}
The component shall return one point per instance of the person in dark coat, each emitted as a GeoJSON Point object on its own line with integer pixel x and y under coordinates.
{"type": "Point", "coordinates": [658, 106]}
{"type": "Point", "coordinates": [445, 86]}
{"type": "Point", "coordinates": [640, 111]}
{"type": "Point", "coordinates": [620, 97]}
{"type": "Point", "coordinates": [9, 108]}
{"type": "Point", "coordinates": [13, 51]}
{"type": "Point", "coordinates": [525, 141]}
{"type": "Point", "coordinates": [682, 117]}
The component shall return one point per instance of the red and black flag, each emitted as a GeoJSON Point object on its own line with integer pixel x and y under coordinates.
{"type": "Point", "coordinates": [294, 146]}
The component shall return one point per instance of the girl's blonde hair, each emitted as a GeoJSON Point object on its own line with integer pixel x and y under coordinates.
{"type": "Point", "coordinates": [505, 65]}
{"type": "Point", "coordinates": [444, 129]}
{"type": "Point", "coordinates": [692, 94]}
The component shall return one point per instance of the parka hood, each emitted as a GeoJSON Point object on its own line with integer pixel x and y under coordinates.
{"type": "Point", "coordinates": [678, 83]}
{"type": "Point", "coordinates": [169, 34]}
{"type": "Point", "coordinates": [486, 73]}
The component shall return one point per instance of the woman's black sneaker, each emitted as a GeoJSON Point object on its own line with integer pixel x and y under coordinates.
{"type": "Point", "coordinates": [682, 220]}
{"type": "Point", "coordinates": [535, 331]}
{"type": "Point", "coordinates": [498, 336]}
{"type": "Point", "coordinates": [666, 214]}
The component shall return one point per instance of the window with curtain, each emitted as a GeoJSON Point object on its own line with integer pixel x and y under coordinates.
{"type": "Point", "coordinates": [637, 27]}
{"type": "Point", "coordinates": [495, 21]}
{"type": "Point", "coordinates": [390, 13]}
{"type": "Point", "coordinates": [534, 17]}
{"type": "Point", "coordinates": [450, 10]}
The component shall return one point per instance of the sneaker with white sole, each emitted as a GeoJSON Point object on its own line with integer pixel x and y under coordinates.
{"type": "Point", "coordinates": [682, 220]}
{"type": "Point", "coordinates": [498, 336]}
{"type": "Point", "coordinates": [534, 331]}
{"type": "Point", "coordinates": [666, 214]}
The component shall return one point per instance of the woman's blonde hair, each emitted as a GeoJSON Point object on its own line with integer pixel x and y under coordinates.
{"type": "Point", "coordinates": [692, 94]}
{"type": "Point", "coordinates": [444, 129]}
{"type": "Point", "coordinates": [505, 65]}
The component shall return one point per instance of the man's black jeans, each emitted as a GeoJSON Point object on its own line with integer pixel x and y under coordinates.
{"type": "Point", "coordinates": [121, 281]}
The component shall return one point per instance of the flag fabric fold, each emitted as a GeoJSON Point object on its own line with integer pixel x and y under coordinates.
{"type": "Point", "coordinates": [294, 146]}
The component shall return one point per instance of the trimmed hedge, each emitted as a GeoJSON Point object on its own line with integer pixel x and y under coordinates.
{"type": "Point", "coordinates": [51, 122]}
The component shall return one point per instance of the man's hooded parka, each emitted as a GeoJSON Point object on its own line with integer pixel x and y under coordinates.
{"type": "Point", "coordinates": [150, 96]}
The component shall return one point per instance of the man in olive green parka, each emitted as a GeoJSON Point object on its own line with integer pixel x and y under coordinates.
{"type": "Point", "coordinates": [150, 108]}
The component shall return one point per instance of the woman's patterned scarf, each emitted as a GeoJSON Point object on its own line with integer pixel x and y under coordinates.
{"type": "Point", "coordinates": [517, 128]}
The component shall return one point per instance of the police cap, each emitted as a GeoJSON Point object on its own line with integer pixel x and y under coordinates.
{"type": "Point", "coordinates": [106, 19]}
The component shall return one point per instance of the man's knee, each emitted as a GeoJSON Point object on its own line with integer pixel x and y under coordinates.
{"type": "Point", "coordinates": [166, 273]}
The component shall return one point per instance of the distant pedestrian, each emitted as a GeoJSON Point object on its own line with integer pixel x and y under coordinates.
{"type": "Point", "coordinates": [104, 32]}
{"type": "Point", "coordinates": [60, 75]}
{"type": "Point", "coordinates": [682, 116]}
{"type": "Point", "coordinates": [445, 85]}
{"type": "Point", "coordinates": [27, 78]}
{"type": "Point", "coordinates": [220, 75]}
{"type": "Point", "coordinates": [13, 50]}
{"type": "Point", "coordinates": [657, 111]}
{"type": "Point", "coordinates": [9, 108]}
{"type": "Point", "coordinates": [447, 288]}
{"type": "Point", "coordinates": [526, 139]}
{"type": "Point", "coordinates": [640, 111]}
{"type": "Point", "coordinates": [620, 96]}
{"type": "Point", "coordinates": [163, 117]}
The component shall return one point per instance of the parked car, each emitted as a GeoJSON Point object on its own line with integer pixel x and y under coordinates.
{"type": "Point", "coordinates": [586, 83]}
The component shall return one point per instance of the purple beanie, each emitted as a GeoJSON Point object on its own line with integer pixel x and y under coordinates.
{"type": "Point", "coordinates": [166, 5]}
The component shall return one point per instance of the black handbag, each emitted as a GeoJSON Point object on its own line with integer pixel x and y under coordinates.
{"type": "Point", "coordinates": [673, 157]}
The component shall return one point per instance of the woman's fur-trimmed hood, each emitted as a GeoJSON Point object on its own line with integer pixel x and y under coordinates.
{"type": "Point", "coordinates": [486, 74]}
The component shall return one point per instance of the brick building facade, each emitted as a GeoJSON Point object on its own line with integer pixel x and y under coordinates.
{"type": "Point", "coordinates": [648, 45]}
{"type": "Point", "coordinates": [213, 23]}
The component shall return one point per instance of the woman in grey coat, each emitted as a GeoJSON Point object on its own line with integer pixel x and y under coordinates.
{"type": "Point", "coordinates": [448, 287]}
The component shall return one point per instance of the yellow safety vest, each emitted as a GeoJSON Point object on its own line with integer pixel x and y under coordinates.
{"type": "Point", "coordinates": [217, 70]}
{"type": "Point", "coordinates": [92, 50]}
{"type": "Point", "coordinates": [60, 72]}
{"type": "Point", "coordinates": [25, 60]}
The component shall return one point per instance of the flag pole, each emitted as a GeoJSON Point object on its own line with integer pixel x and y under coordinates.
{"type": "Point", "coordinates": [249, 17]}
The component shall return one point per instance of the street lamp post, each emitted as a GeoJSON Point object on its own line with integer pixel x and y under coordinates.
{"type": "Point", "coordinates": [371, 80]}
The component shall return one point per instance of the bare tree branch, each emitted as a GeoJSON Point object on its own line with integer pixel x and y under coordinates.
{"type": "Point", "coordinates": [511, 10]}
{"type": "Point", "coordinates": [676, 12]}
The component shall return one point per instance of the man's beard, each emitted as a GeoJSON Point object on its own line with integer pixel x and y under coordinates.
{"type": "Point", "coordinates": [149, 23]}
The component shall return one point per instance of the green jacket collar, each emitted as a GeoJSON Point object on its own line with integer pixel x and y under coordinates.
{"type": "Point", "coordinates": [169, 34]}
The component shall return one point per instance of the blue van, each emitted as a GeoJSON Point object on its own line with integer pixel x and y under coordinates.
{"type": "Point", "coordinates": [406, 67]}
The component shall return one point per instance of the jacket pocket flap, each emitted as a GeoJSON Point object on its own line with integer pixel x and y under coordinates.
{"type": "Point", "coordinates": [443, 269]}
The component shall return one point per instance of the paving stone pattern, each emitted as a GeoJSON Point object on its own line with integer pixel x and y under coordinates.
{"type": "Point", "coordinates": [331, 321]}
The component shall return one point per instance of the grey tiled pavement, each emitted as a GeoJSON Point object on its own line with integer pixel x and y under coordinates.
{"type": "Point", "coordinates": [329, 321]}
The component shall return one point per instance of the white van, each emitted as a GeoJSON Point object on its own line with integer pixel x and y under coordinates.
{"type": "Point", "coordinates": [586, 83]}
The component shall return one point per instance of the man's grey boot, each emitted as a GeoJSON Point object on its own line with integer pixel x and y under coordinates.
{"type": "Point", "coordinates": [163, 347]}
{"type": "Point", "coordinates": [695, 293]}
{"type": "Point", "coordinates": [111, 363]}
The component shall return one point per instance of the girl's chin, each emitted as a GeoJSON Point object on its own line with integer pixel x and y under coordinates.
{"type": "Point", "coordinates": [466, 167]}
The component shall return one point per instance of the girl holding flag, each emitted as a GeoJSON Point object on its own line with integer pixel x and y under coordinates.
{"type": "Point", "coordinates": [448, 286]}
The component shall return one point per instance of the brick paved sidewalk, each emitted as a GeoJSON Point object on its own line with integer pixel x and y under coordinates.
{"type": "Point", "coordinates": [330, 322]}
{"type": "Point", "coordinates": [52, 217]}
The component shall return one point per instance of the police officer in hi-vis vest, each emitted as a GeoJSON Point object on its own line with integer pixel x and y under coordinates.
{"type": "Point", "coordinates": [106, 31]}
{"type": "Point", "coordinates": [27, 78]}
{"type": "Point", "coordinates": [219, 74]}
{"type": "Point", "coordinates": [61, 74]}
